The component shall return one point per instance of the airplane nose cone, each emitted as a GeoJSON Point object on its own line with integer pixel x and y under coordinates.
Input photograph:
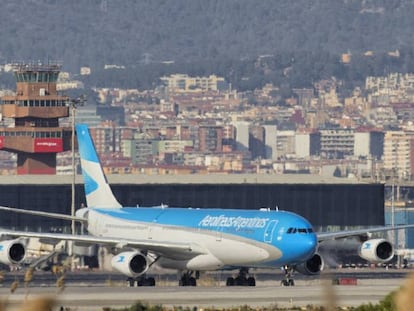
{"type": "Point", "coordinates": [310, 244]}
{"type": "Point", "coordinates": [312, 239]}
{"type": "Point", "coordinates": [306, 246]}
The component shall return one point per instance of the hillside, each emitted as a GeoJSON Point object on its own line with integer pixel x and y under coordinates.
{"type": "Point", "coordinates": [128, 32]}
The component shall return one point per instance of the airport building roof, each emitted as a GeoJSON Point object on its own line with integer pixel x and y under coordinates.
{"type": "Point", "coordinates": [184, 179]}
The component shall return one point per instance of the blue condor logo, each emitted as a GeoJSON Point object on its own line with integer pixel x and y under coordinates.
{"type": "Point", "coordinates": [233, 222]}
{"type": "Point", "coordinates": [367, 245]}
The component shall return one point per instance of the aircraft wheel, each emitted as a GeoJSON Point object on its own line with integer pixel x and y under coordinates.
{"type": "Point", "coordinates": [131, 282]}
{"type": "Point", "coordinates": [146, 281]}
{"type": "Point", "coordinates": [192, 282]}
{"type": "Point", "coordinates": [151, 281]}
{"type": "Point", "coordinates": [288, 282]}
{"type": "Point", "coordinates": [185, 281]}
{"type": "Point", "coordinates": [240, 281]}
{"type": "Point", "coordinates": [251, 281]}
{"type": "Point", "coordinates": [230, 281]}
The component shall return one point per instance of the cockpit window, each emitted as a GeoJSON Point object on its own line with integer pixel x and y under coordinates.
{"type": "Point", "coordinates": [292, 230]}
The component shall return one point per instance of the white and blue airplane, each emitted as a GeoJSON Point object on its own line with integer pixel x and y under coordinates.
{"type": "Point", "coordinates": [189, 240]}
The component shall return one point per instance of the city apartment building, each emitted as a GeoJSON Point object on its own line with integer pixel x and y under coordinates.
{"type": "Point", "coordinates": [337, 143]}
{"type": "Point", "coordinates": [285, 143]}
{"type": "Point", "coordinates": [257, 142]}
{"type": "Point", "coordinates": [270, 142]}
{"type": "Point", "coordinates": [307, 144]}
{"type": "Point", "coordinates": [398, 154]}
{"type": "Point", "coordinates": [242, 135]}
{"type": "Point", "coordinates": [139, 150]}
{"type": "Point", "coordinates": [369, 144]}
{"type": "Point", "coordinates": [185, 83]}
{"type": "Point", "coordinates": [210, 138]}
{"type": "Point", "coordinates": [107, 139]}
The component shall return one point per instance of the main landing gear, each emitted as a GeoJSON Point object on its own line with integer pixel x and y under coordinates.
{"type": "Point", "coordinates": [141, 281]}
{"type": "Point", "coordinates": [187, 278]}
{"type": "Point", "coordinates": [242, 279]}
{"type": "Point", "coordinates": [288, 280]}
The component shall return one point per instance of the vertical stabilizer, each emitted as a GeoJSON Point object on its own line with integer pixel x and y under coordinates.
{"type": "Point", "coordinates": [97, 190]}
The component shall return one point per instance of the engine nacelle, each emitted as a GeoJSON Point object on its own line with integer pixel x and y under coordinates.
{"type": "Point", "coordinates": [312, 266]}
{"type": "Point", "coordinates": [12, 252]}
{"type": "Point", "coordinates": [376, 250]}
{"type": "Point", "coordinates": [132, 264]}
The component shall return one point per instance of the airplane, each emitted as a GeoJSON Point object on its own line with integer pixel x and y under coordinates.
{"type": "Point", "coordinates": [190, 240]}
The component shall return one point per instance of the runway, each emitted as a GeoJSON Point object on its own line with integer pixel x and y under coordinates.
{"type": "Point", "coordinates": [304, 293]}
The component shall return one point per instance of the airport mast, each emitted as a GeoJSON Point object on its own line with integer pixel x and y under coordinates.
{"type": "Point", "coordinates": [36, 137]}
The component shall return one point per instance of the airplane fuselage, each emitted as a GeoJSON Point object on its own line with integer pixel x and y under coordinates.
{"type": "Point", "coordinates": [227, 238]}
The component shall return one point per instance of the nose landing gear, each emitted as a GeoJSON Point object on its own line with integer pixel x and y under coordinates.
{"type": "Point", "coordinates": [288, 280]}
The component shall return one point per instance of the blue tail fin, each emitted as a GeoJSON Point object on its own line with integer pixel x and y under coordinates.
{"type": "Point", "coordinates": [97, 190]}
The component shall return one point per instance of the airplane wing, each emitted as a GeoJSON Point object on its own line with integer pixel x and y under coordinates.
{"type": "Point", "coordinates": [40, 213]}
{"type": "Point", "coordinates": [166, 249]}
{"type": "Point", "coordinates": [322, 236]}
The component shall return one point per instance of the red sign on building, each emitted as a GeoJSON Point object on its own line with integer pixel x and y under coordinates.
{"type": "Point", "coordinates": [1, 142]}
{"type": "Point", "coordinates": [48, 145]}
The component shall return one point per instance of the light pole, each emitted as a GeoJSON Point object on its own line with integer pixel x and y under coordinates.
{"type": "Point", "coordinates": [72, 206]}
{"type": "Point", "coordinates": [74, 103]}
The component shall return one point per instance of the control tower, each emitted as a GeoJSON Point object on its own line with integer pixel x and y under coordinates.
{"type": "Point", "coordinates": [36, 108]}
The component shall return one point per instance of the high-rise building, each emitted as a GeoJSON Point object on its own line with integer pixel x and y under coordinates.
{"type": "Point", "coordinates": [271, 142]}
{"type": "Point", "coordinates": [211, 138]}
{"type": "Point", "coordinates": [257, 142]}
{"type": "Point", "coordinates": [307, 144]}
{"type": "Point", "coordinates": [337, 143]}
{"type": "Point", "coordinates": [369, 144]}
{"type": "Point", "coordinates": [397, 153]}
{"type": "Point", "coordinates": [242, 135]}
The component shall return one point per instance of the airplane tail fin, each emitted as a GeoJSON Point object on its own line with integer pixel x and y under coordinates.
{"type": "Point", "coordinates": [97, 190]}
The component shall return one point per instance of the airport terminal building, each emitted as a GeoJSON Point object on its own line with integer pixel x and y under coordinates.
{"type": "Point", "coordinates": [324, 201]}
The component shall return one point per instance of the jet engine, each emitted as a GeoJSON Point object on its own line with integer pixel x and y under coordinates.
{"type": "Point", "coordinates": [376, 250]}
{"type": "Point", "coordinates": [312, 266]}
{"type": "Point", "coordinates": [132, 264]}
{"type": "Point", "coordinates": [12, 252]}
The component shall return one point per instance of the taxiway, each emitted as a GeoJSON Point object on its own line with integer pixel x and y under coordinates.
{"type": "Point", "coordinates": [304, 293]}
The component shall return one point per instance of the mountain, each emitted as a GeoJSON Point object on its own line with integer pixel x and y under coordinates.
{"type": "Point", "coordinates": [125, 32]}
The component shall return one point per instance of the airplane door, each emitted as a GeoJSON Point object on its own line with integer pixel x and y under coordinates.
{"type": "Point", "coordinates": [152, 228]}
{"type": "Point", "coordinates": [269, 231]}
